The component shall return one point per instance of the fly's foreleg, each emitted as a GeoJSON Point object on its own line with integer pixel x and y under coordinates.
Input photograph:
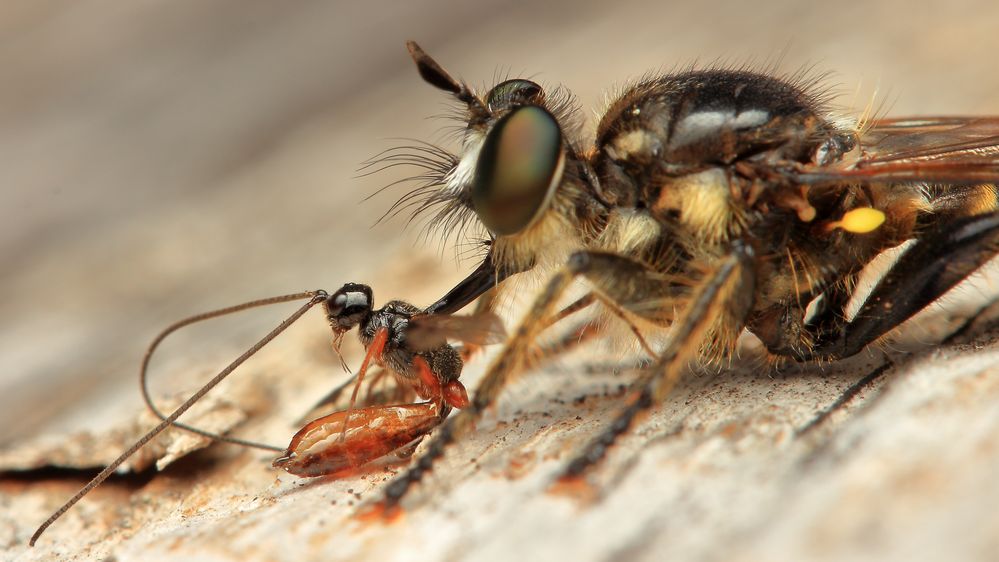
{"type": "Point", "coordinates": [722, 301]}
{"type": "Point", "coordinates": [616, 278]}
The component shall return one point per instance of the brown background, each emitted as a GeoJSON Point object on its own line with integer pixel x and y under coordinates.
{"type": "Point", "coordinates": [162, 158]}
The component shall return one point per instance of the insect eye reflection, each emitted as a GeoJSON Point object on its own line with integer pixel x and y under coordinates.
{"type": "Point", "coordinates": [519, 167]}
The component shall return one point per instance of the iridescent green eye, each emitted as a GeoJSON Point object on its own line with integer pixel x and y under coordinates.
{"type": "Point", "coordinates": [519, 168]}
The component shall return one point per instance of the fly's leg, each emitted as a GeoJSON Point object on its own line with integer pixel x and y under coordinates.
{"type": "Point", "coordinates": [944, 256]}
{"type": "Point", "coordinates": [612, 306]}
{"type": "Point", "coordinates": [619, 279]}
{"type": "Point", "coordinates": [726, 297]}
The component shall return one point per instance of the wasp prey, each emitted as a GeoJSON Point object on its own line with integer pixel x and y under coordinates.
{"type": "Point", "coordinates": [408, 344]}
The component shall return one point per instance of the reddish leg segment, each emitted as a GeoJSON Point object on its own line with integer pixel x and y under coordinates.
{"type": "Point", "coordinates": [452, 393]}
{"type": "Point", "coordinates": [374, 352]}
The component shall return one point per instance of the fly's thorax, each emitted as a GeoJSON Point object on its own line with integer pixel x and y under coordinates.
{"type": "Point", "coordinates": [698, 118]}
{"type": "Point", "coordinates": [702, 203]}
{"type": "Point", "coordinates": [631, 232]}
{"type": "Point", "coordinates": [688, 146]}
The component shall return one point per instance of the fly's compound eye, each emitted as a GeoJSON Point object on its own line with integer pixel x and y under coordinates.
{"type": "Point", "coordinates": [348, 306]}
{"type": "Point", "coordinates": [519, 167]}
{"type": "Point", "coordinates": [511, 93]}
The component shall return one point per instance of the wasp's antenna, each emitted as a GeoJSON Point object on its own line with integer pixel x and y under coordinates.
{"type": "Point", "coordinates": [315, 297]}
{"type": "Point", "coordinates": [144, 369]}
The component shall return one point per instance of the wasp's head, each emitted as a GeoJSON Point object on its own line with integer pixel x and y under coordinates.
{"type": "Point", "coordinates": [348, 306]}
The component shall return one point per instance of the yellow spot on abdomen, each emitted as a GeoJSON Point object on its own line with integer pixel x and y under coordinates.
{"type": "Point", "coordinates": [862, 220]}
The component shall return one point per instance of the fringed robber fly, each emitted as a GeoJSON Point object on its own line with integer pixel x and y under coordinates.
{"type": "Point", "coordinates": [710, 202]}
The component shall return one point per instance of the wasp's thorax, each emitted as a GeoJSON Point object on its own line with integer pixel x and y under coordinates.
{"type": "Point", "coordinates": [351, 307]}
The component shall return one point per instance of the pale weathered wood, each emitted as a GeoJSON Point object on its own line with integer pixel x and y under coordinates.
{"type": "Point", "coordinates": [159, 159]}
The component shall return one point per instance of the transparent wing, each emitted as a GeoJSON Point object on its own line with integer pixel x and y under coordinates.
{"type": "Point", "coordinates": [947, 150]}
{"type": "Point", "coordinates": [431, 330]}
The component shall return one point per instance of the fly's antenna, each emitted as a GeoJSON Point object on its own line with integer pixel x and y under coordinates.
{"type": "Point", "coordinates": [315, 297]}
{"type": "Point", "coordinates": [144, 369]}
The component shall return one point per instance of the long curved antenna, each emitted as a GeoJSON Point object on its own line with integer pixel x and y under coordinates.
{"type": "Point", "coordinates": [316, 297]}
{"type": "Point", "coordinates": [144, 369]}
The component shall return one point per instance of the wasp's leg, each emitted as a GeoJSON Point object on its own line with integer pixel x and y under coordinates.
{"type": "Point", "coordinates": [326, 402]}
{"type": "Point", "coordinates": [618, 277]}
{"type": "Point", "coordinates": [935, 263]}
{"type": "Point", "coordinates": [724, 296]}
{"type": "Point", "coordinates": [373, 396]}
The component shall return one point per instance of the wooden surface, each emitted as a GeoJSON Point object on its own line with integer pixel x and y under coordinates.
{"type": "Point", "coordinates": [159, 159]}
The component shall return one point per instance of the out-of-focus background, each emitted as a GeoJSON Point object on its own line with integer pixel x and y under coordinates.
{"type": "Point", "coordinates": [162, 158]}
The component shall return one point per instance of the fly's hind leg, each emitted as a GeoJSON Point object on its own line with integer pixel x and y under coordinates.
{"type": "Point", "coordinates": [618, 279]}
{"type": "Point", "coordinates": [946, 254]}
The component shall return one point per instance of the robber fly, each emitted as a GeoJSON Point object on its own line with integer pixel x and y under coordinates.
{"type": "Point", "coordinates": [710, 202]}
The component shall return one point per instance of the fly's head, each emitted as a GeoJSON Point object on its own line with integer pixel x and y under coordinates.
{"type": "Point", "coordinates": [518, 174]}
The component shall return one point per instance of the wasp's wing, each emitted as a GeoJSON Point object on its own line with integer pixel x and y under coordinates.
{"type": "Point", "coordinates": [424, 332]}
{"type": "Point", "coordinates": [432, 330]}
{"type": "Point", "coordinates": [947, 150]}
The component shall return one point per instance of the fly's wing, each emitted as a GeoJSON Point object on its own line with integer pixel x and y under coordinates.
{"type": "Point", "coordinates": [940, 150]}
{"type": "Point", "coordinates": [429, 331]}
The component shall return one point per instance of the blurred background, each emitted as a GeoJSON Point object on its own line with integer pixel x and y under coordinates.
{"type": "Point", "coordinates": [160, 158]}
